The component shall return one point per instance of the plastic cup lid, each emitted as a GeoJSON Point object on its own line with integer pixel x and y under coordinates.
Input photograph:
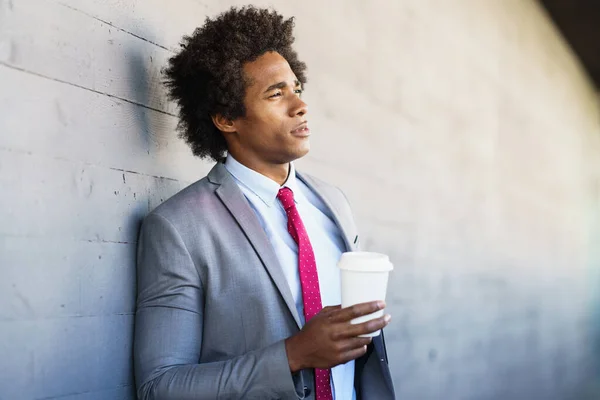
{"type": "Point", "coordinates": [363, 261]}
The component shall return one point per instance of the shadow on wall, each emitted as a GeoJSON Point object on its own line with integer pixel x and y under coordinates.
{"type": "Point", "coordinates": [157, 132]}
{"type": "Point", "coordinates": [590, 390]}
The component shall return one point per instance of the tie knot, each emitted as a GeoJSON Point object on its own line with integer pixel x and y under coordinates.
{"type": "Point", "coordinates": [286, 197]}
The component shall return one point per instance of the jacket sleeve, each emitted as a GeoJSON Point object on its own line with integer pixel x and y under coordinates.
{"type": "Point", "coordinates": [169, 326]}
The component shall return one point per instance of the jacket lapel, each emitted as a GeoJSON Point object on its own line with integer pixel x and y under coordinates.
{"type": "Point", "coordinates": [233, 198]}
{"type": "Point", "coordinates": [346, 226]}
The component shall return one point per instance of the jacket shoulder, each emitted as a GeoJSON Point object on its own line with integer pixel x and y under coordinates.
{"type": "Point", "coordinates": [189, 200]}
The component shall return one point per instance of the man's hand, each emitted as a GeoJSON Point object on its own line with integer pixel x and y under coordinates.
{"type": "Point", "coordinates": [329, 339]}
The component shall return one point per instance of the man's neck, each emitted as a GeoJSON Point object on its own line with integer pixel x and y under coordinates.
{"type": "Point", "coordinates": [276, 172]}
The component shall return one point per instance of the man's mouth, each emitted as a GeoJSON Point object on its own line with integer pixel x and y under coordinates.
{"type": "Point", "coordinates": [301, 130]}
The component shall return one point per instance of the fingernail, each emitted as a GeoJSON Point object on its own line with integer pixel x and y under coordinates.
{"type": "Point", "coordinates": [381, 304]}
{"type": "Point", "coordinates": [387, 318]}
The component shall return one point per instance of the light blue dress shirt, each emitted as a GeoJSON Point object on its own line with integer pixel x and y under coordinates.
{"type": "Point", "coordinates": [325, 238]}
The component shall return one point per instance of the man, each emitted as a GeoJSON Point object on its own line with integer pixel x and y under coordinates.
{"type": "Point", "coordinates": [238, 288]}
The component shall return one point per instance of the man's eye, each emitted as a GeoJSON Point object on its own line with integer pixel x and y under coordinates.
{"type": "Point", "coordinates": [277, 94]}
{"type": "Point", "coordinates": [299, 91]}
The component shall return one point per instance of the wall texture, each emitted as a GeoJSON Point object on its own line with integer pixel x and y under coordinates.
{"type": "Point", "coordinates": [464, 132]}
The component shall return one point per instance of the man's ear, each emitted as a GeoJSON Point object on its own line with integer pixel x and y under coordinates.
{"type": "Point", "coordinates": [223, 124]}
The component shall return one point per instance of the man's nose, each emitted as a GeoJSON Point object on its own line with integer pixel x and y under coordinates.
{"type": "Point", "coordinates": [298, 108]}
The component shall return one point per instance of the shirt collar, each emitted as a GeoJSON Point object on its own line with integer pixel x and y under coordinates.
{"type": "Point", "coordinates": [264, 188]}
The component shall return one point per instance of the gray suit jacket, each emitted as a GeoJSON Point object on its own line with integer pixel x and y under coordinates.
{"type": "Point", "coordinates": [214, 307]}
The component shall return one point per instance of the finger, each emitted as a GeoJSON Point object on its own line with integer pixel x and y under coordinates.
{"type": "Point", "coordinates": [329, 309]}
{"type": "Point", "coordinates": [367, 327]}
{"type": "Point", "coordinates": [354, 343]}
{"type": "Point", "coordinates": [358, 310]}
{"type": "Point", "coordinates": [353, 354]}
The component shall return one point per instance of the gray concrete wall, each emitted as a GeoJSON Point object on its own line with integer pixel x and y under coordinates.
{"type": "Point", "coordinates": [464, 132]}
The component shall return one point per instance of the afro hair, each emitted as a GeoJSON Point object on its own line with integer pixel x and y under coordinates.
{"type": "Point", "coordinates": [206, 77]}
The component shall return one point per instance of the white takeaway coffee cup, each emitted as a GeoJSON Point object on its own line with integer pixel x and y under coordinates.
{"type": "Point", "coordinates": [364, 278]}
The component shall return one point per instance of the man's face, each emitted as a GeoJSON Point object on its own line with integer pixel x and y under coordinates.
{"type": "Point", "coordinates": [274, 129]}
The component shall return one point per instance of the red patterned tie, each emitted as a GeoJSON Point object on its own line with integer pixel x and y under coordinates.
{"type": "Point", "coordinates": [309, 279]}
